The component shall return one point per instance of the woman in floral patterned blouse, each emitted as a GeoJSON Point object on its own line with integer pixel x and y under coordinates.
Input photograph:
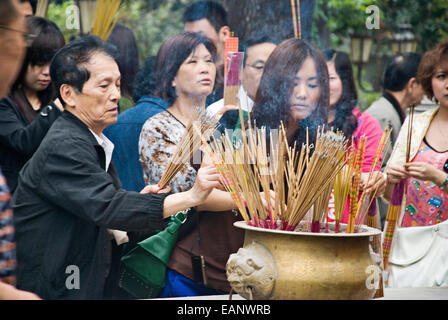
{"type": "Point", "coordinates": [185, 72]}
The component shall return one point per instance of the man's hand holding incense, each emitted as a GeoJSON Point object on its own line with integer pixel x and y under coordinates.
{"type": "Point", "coordinates": [155, 189]}
{"type": "Point", "coordinates": [207, 179]}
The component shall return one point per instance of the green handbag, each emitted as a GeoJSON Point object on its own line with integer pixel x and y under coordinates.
{"type": "Point", "coordinates": [143, 269]}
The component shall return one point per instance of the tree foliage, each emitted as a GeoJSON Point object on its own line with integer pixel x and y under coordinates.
{"type": "Point", "coordinates": [60, 13]}
{"type": "Point", "coordinates": [429, 19]}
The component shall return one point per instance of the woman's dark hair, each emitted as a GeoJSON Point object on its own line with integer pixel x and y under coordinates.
{"type": "Point", "coordinates": [123, 38]}
{"type": "Point", "coordinates": [170, 57]}
{"type": "Point", "coordinates": [345, 120]}
{"type": "Point", "coordinates": [69, 64]}
{"type": "Point", "coordinates": [48, 41]}
{"type": "Point", "coordinates": [272, 101]}
{"type": "Point", "coordinates": [429, 64]}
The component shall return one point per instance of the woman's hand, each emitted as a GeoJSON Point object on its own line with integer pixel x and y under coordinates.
{"type": "Point", "coordinates": [376, 185]}
{"type": "Point", "coordinates": [271, 203]}
{"type": "Point", "coordinates": [424, 171]}
{"type": "Point", "coordinates": [224, 109]}
{"type": "Point", "coordinates": [206, 179]}
{"type": "Point", "coordinates": [395, 174]}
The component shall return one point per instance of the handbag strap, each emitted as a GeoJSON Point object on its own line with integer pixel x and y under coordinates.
{"type": "Point", "coordinates": [198, 239]}
{"type": "Point", "coordinates": [176, 221]}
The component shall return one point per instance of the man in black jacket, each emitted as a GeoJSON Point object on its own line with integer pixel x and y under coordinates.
{"type": "Point", "coordinates": [69, 193]}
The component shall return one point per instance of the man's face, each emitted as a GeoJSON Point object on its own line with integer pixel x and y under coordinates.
{"type": "Point", "coordinates": [417, 93]}
{"type": "Point", "coordinates": [97, 104]}
{"type": "Point", "coordinates": [12, 51]}
{"type": "Point", "coordinates": [253, 69]}
{"type": "Point", "coordinates": [204, 26]}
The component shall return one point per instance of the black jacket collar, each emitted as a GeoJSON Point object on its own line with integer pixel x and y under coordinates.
{"type": "Point", "coordinates": [74, 124]}
{"type": "Point", "coordinates": [78, 125]}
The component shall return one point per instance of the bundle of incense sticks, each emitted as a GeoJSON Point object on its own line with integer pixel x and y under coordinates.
{"type": "Point", "coordinates": [296, 21]}
{"type": "Point", "coordinates": [232, 79]}
{"type": "Point", "coordinates": [345, 185]}
{"type": "Point", "coordinates": [278, 147]}
{"type": "Point", "coordinates": [341, 187]}
{"type": "Point", "coordinates": [320, 208]}
{"type": "Point", "coordinates": [42, 8]}
{"type": "Point", "coordinates": [312, 174]}
{"type": "Point", "coordinates": [395, 204]}
{"type": "Point", "coordinates": [238, 178]}
{"type": "Point", "coordinates": [356, 184]}
{"type": "Point", "coordinates": [226, 179]}
{"type": "Point", "coordinates": [366, 199]}
{"type": "Point", "coordinates": [87, 14]}
{"type": "Point", "coordinates": [230, 45]}
{"type": "Point", "coordinates": [247, 168]}
{"type": "Point", "coordinates": [249, 173]}
{"type": "Point", "coordinates": [190, 142]}
{"type": "Point", "coordinates": [106, 16]}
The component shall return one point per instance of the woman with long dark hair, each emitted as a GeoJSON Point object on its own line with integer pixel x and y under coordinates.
{"type": "Point", "coordinates": [343, 115]}
{"type": "Point", "coordinates": [293, 90]}
{"type": "Point", "coordinates": [28, 111]}
{"type": "Point", "coordinates": [128, 61]}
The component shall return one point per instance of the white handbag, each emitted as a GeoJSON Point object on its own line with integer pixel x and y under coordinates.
{"type": "Point", "coordinates": [419, 257]}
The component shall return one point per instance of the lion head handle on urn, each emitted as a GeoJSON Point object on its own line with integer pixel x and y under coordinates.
{"type": "Point", "coordinates": [252, 272]}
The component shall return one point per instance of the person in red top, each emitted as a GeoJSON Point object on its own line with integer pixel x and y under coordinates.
{"type": "Point", "coordinates": [344, 116]}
